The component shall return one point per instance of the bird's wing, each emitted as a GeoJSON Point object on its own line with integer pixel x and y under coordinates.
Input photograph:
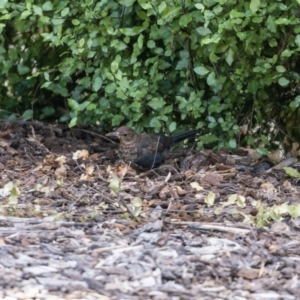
{"type": "Point", "coordinates": [151, 150]}
{"type": "Point", "coordinates": [150, 144]}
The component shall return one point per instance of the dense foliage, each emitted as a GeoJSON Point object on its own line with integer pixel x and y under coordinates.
{"type": "Point", "coordinates": [154, 64]}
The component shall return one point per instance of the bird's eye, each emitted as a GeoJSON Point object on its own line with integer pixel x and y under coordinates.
{"type": "Point", "coordinates": [125, 134]}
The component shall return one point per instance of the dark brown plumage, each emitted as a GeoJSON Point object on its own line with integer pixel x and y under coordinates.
{"type": "Point", "coordinates": [146, 150]}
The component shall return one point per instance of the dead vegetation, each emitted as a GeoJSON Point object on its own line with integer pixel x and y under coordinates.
{"type": "Point", "coordinates": [207, 225]}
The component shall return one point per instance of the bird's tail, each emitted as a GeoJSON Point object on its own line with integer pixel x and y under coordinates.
{"type": "Point", "coordinates": [182, 136]}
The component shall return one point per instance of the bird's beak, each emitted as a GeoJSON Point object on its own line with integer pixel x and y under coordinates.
{"type": "Point", "coordinates": [113, 134]}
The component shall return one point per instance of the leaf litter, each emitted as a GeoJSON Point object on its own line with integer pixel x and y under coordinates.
{"type": "Point", "coordinates": [76, 223]}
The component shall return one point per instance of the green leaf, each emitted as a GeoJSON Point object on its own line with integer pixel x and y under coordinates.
{"type": "Point", "coordinates": [297, 40]}
{"type": "Point", "coordinates": [283, 21]}
{"type": "Point", "coordinates": [132, 31]}
{"type": "Point", "coordinates": [203, 31]}
{"type": "Point", "coordinates": [65, 11]}
{"type": "Point", "coordinates": [236, 14]}
{"type": "Point", "coordinates": [295, 103]}
{"type": "Point", "coordinates": [57, 21]}
{"type": "Point", "coordinates": [172, 126]}
{"type": "Point", "coordinates": [151, 44]}
{"type": "Point", "coordinates": [81, 42]}
{"type": "Point", "coordinates": [155, 123]}
{"type": "Point", "coordinates": [162, 6]}
{"type": "Point", "coordinates": [184, 20]}
{"type": "Point", "coordinates": [253, 86]}
{"type": "Point", "coordinates": [145, 4]}
{"type": "Point", "coordinates": [48, 111]}
{"type": "Point", "coordinates": [156, 103]}
{"type": "Point", "coordinates": [211, 79]}
{"type": "Point", "coordinates": [97, 83]}
{"type": "Point", "coordinates": [254, 5]}
{"type": "Point", "coordinates": [213, 57]}
{"type": "Point", "coordinates": [91, 106]}
{"type": "Point", "coordinates": [28, 114]}
{"type": "Point", "coordinates": [201, 7]}
{"type": "Point", "coordinates": [3, 3]}
{"type": "Point", "coordinates": [118, 45]}
{"type": "Point", "coordinates": [22, 69]}
{"type": "Point", "coordinates": [37, 10]}
{"type": "Point", "coordinates": [126, 3]}
{"type": "Point", "coordinates": [73, 122]}
{"type": "Point", "coordinates": [46, 76]}
{"type": "Point", "coordinates": [271, 25]}
{"type": "Point", "coordinates": [25, 14]}
{"type": "Point", "coordinates": [201, 70]}
{"type": "Point", "coordinates": [46, 84]}
{"type": "Point", "coordinates": [218, 9]}
{"type": "Point", "coordinates": [262, 151]}
{"type": "Point", "coordinates": [44, 20]}
{"type": "Point", "coordinates": [229, 56]}
{"type": "Point", "coordinates": [232, 143]}
{"type": "Point", "coordinates": [280, 69]}
{"type": "Point", "coordinates": [291, 172]}
{"type": "Point", "coordinates": [110, 88]}
{"type": "Point", "coordinates": [211, 119]}
{"type": "Point", "coordinates": [182, 64]}
{"type": "Point", "coordinates": [83, 106]}
{"type": "Point", "coordinates": [74, 105]}
{"type": "Point", "coordinates": [242, 35]}
{"type": "Point", "coordinates": [208, 138]}
{"type": "Point", "coordinates": [283, 81]}
{"type": "Point", "coordinates": [272, 42]}
{"type": "Point", "coordinates": [287, 53]}
{"type": "Point", "coordinates": [168, 14]}
{"type": "Point", "coordinates": [265, 139]}
{"type": "Point", "coordinates": [75, 22]}
{"type": "Point", "coordinates": [140, 41]}
{"type": "Point", "coordinates": [250, 140]}
{"type": "Point", "coordinates": [47, 6]}
{"type": "Point", "coordinates": [5, 16]}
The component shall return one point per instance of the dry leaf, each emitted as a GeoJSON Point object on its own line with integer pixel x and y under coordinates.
{"type": "Point", "coordinates": [89, 169]}
{"type": "Point", "coordinates": [61, 172]}
{"type": "Point", "coordinates": [83, 154]}
{"type": "Point", "coordinates": [248, 273]}
{"type": "Point", "coordinates": [178, 190]}
{"type": "Point", "coordinates": [165, 192]}
{"type": "Point", "coordinates": [294, 152]}
{"type": "Point", "coordinates": [243, 129]}
{"type": "Point", "coordinates": [276, 156]}
{"type": "Point", "coordinates": [61, 160]}
{"type": "Point", "coordinates": [213, 178]}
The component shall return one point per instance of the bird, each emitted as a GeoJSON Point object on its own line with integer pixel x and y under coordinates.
{"type": "Point", "coordinates": [146, 150]}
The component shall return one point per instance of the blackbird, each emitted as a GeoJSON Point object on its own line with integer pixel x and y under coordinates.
{"type": "Point", "coordinates": [146, 150]}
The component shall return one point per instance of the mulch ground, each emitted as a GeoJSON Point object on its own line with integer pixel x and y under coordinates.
{"type": "Point", "coordinates": [76, 223]}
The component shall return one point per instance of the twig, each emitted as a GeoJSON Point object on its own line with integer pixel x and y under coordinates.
{"type": "Point", "coordinates": [97, 134]}
{"type": "Point", "coordinates": [214, 227]}
{"type": "Point", "coordinates": [155, 152]}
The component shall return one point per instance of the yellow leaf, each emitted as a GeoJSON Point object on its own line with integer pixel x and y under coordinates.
{"type": "Point", "coordinates": [210, 199]}
{"type": "Point", "coordinates": [115, 183]}
{"type": "Point", "coordinates": [196, 186]}
{"type": "Point", "coordinates": [291, 172]}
